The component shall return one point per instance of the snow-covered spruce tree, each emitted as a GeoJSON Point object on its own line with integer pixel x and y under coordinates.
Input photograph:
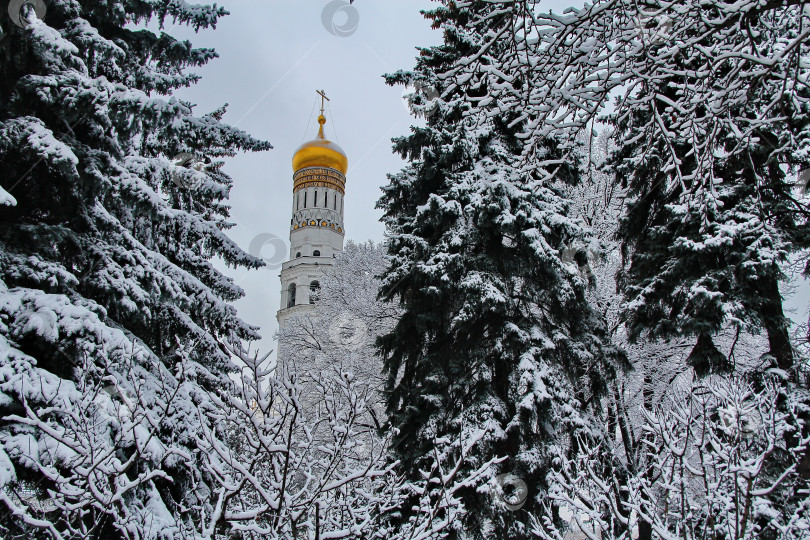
{"type": "Point", "coordinates": [660, 369]}
{"type": "Point", "coordinates": [711, 118]}
{"type": "Point", "coordinates": [613, 487]}
{"type": "Point", "coordinates": [705, 242]}
{"type": "Point", "coordinates": [110, 309]}
{"type": "Point", "coordinates": [496, 333]}
{"type": "Point", "coordinates": [707, 235]}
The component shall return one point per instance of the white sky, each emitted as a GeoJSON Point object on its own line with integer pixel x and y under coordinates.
{"type": "Point", "coordinates": [274, 54]}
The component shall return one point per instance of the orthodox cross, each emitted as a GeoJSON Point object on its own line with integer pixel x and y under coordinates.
{"type": "Point", "coordinates": [322, 93]}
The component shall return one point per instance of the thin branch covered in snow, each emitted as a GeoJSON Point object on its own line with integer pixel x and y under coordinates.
{"type": "Point", "coordinates": [720, 463]}
{"type": "Point", "coordinates": [563, 69]}
{"type": "Point", "coordinates": [285, 469]}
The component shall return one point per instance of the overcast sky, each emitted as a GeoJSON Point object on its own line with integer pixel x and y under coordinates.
{"type": "Point", "coordinates": [274, 54]}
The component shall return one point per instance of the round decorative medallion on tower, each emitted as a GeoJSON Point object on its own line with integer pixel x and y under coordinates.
{"type": "Point", "coordinates": [316, 228]}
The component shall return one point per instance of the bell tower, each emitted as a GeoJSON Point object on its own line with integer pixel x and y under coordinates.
{"type": "Point", "coordinates": [316, 228]}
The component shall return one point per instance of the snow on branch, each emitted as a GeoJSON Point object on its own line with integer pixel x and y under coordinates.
{"type": "Point", "coordinates": [720, 462]}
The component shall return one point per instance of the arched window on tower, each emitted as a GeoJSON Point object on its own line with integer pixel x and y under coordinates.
{"type": "Point", "coordinates": [315, 204]}
{"type": "Point", "coordinates": [316, 253]}
{"type": "Point", "coordinates": [291, 295]}
{"type": "Point", "coordinates": [314, 292]}
{"type": "Point", "coordinates": [305, 199]}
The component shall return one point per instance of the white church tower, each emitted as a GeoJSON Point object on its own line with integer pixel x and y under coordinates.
{"type": "Point", "coordinates": [316, 227]}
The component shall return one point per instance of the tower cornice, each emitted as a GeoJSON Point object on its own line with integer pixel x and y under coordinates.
{"type": "Point", "coordinates": [319, 177]}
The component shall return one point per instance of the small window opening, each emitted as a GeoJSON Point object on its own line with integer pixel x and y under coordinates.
{"type": "Point", "coordinates": [291, 295]}
{"type": "Point", "coordinates": [314, 292]}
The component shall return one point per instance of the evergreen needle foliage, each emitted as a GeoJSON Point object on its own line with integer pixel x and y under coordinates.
{"type": "Point", "coordinates": [496, 335]}
{"type": "Point", "coordinates": [110, 309]}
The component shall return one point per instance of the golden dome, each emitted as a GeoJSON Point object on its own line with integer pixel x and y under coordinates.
{"type": "Point", "coordinates": [320, 152]}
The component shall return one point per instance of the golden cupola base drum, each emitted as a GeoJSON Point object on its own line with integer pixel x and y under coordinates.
{"type": "Point", "coordinates": [316, 228]}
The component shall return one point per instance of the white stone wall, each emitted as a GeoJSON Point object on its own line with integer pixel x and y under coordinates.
{"type": "Point", "coordinates": [309, 239]}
